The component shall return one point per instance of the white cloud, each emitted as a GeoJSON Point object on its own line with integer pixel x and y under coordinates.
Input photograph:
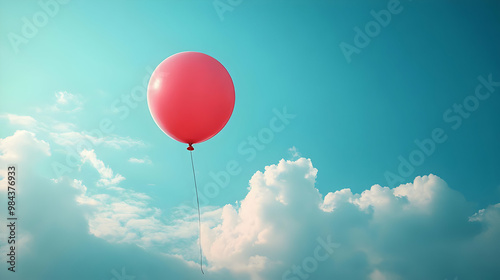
{"type": "Point", "coordinates": [126, 216]}
{"type": "Point", "coordinates": [108, 178]}
{"type": "Point", "coordinates": [276, 225]}
{"type": "Point", "coordinates": [62, 97]}
{"type": "Point", "coordinates": [139, 160]}
{"type": "Point", "coordinates": [332, 200]}
{"type": "Point", "coordinates": [23, 144]}
{"type": "Point", "coordinates": [489, 216]}
{"type": "Point", "coordinates": [82, 197]}
{"type": "Point", "coordinates": [84, 139]}
{"type": "Point", "coordinates": [420, 230]}
{"type": "Point", "coordinates": [62, 126]}
{"type": "Point", "coordinates": [26, 121]}
{"type": "Point", "coordinates": [379, 230]}
{"type": "Point", "coordinates": [64, 102]}
{"type": "Point", "coordinates": [53, 226]}
{"type": "Point", "coordinates": [67, 102]}
{"type": "Point", "coordinates": [294, 152]}
{"type": "Point", "coordinates": [19, 147]}
{"type": "Point", "coordinates": [264, 225]}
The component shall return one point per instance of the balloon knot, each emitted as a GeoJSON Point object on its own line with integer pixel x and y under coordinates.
{"type": "Point", "coordinates": [190, 148]}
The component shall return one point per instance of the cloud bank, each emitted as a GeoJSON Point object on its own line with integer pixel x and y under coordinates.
{"type": "Point", "coordinates": [284, 228]}
{"type": "Point", "coordinates": [273, 231]}
{"type": "Point", "coordinates": [419, 230]}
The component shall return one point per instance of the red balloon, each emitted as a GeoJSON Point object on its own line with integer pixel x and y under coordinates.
{"type": "Point", "coordinates": [191, 97]}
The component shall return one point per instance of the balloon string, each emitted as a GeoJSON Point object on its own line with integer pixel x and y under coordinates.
{"type": "Point", "coordinates": [199, 214]}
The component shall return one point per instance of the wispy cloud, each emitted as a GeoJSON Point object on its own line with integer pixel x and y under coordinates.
{"type": "Point", "coordinates": [294, 152]}
{"type": "Point", "coordinates": [68, 102]}
{"type": "Point", "coordinates": [113, 141]}
{"type": "Point", "coordinates": [64, 102]}
{"type": "Point", "coordinates": [82, 197]}
{"type": "Point", "coordinates": [108, 178]}
{"type": "Point", "coordinates": [25, 121]}
{"type": "Point", "coordinates": [145, 160]}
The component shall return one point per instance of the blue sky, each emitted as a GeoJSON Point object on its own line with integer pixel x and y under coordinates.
{"type": "Point", "coordinates": [74, 118]}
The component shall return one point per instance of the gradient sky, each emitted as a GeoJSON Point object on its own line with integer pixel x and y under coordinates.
{"type": "Point", "coordinates": [355, 118]}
